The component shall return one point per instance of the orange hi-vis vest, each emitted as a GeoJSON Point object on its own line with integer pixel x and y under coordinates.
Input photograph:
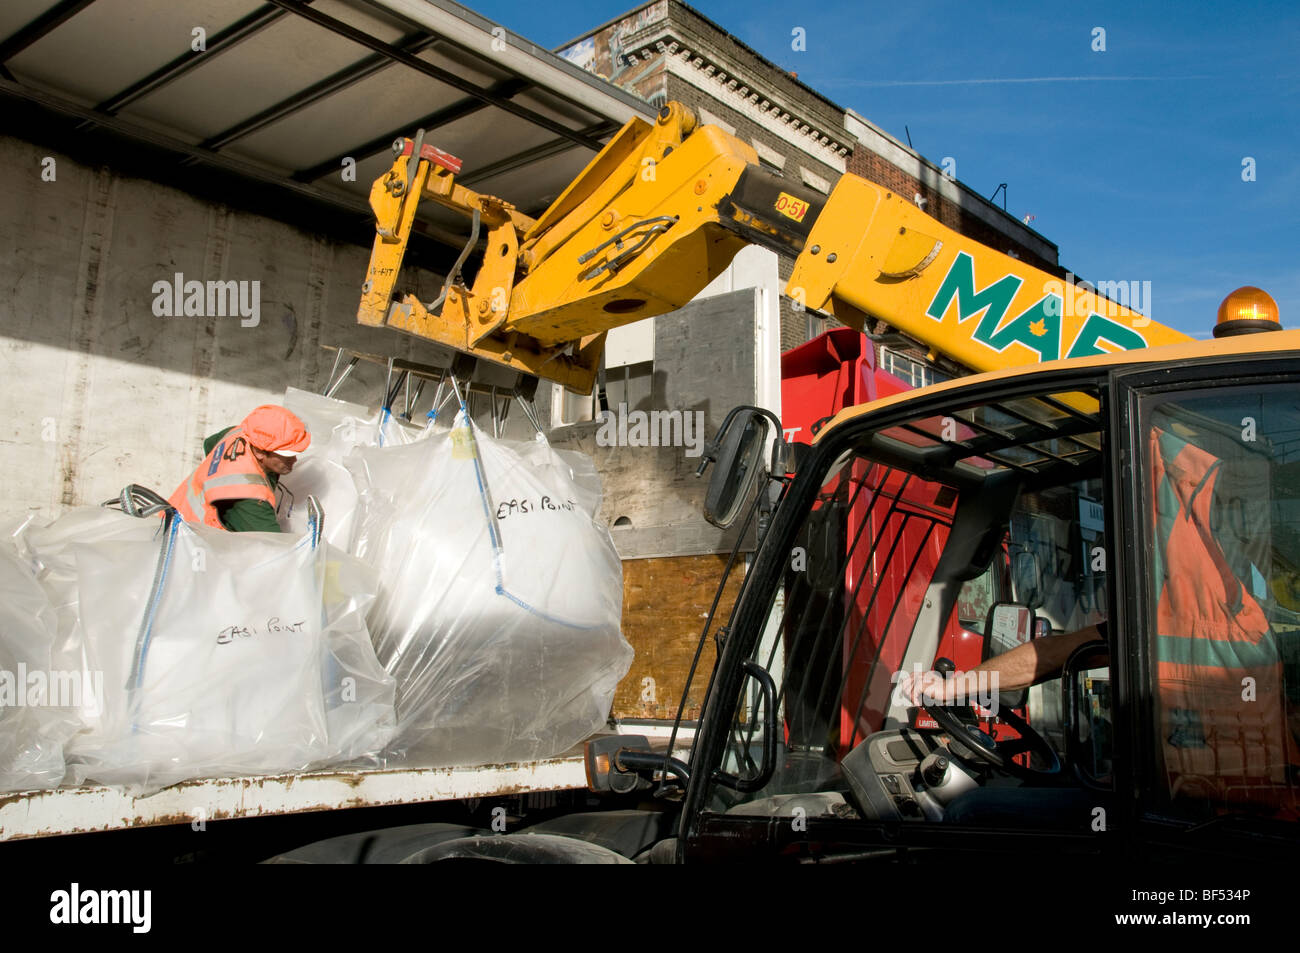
{"type": "Point", "coordinates": [1219, 671]}
{"type": "Point", "coordinates": [229, 472]}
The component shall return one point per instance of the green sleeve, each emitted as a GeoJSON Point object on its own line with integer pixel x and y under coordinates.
{"type": "Point", "coordinates": [248, 516]}
{"type": "Point", "coordinates": [212, 441]}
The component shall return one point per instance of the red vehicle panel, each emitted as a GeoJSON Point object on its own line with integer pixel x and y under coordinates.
{"type": "Point", "coordinates": [833, 371]}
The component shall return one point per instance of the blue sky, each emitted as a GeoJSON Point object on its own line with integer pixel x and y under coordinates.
{"type": "Point", "coordinates": [1130, 159]}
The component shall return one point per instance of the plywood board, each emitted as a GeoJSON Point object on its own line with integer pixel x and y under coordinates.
{"type": "Point", "coordinates": [665, 603]}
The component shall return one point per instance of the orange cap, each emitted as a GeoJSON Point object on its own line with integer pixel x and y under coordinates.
{"type": "Point", "coordinates": [273, 429]}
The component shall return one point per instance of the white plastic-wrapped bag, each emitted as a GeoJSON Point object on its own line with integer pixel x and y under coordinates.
{"type": "Point", "coordinates": [216, 670]}
{"type": "Point", "coordinates": [500, 599]}
{"type": "Point", "coordinates": [51, 552]}
{"type": "Point", "coordinates": [39, 701]}
{"type": "Point", "coordinates": [358, 693]}
{"type": "Point", "coordinates": [225, 654]}
{"type": "Point", "coordinates": [336, 428]}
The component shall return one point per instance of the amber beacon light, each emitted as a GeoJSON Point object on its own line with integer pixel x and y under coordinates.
{"type": "Point", "coordinates": [1246, 311]}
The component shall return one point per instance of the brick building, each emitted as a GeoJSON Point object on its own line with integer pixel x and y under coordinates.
{"type": "Point", "coordinates": [665, 50]}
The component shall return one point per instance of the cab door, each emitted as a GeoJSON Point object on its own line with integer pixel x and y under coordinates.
{"type": "Point", "coordinates": [806, 751]}
{"type": "Point", "coordinates": [1211, 604]}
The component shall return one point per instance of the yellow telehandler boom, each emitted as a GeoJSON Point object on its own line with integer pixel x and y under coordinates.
{"type": "Point", "coordinates": [662, 210]}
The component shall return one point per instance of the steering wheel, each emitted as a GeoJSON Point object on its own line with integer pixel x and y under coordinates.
{"type": "Point", "coordinates": [997, 753]}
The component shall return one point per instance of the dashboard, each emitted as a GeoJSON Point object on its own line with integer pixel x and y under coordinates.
{"type": "Point", "coordinates": [906, 775]}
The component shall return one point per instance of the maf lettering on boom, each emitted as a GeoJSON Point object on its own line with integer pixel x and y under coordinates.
{"type": "Point", "coordinates": [1038, 327]}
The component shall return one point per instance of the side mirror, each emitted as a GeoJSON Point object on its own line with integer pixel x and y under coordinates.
{"type": "Point", "coordinates": [1026, 574]}
{"type": "Point", "coordinates": [1007, 625]}
{"type": "Point", "coordinates": [738, 450]}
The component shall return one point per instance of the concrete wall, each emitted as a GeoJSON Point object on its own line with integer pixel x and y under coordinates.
{"type": "Point", "coordinates": [721, 350]}
{"type": "Point", "coordinates": [98, 390]}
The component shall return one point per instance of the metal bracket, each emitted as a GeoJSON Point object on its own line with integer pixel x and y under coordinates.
{"type": "Point", "coordinates": [500, 413]}
{"type": "Point", "coordinates": [331, 384]}
{"type": "Point", "coordinates": [524, 393]}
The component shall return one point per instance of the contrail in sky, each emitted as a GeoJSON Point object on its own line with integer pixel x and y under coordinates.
{"type": "Point", "coordinates": [1008, 79]}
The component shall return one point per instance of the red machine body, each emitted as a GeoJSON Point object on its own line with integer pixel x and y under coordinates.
{"type": "Point", "coordinates": [835, 370]}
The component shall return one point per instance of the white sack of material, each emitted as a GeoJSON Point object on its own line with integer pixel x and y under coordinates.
{"type": "Point", "coordinates": [39, 701]}
{"type": "Point", "coordinates": [500, 595]}
{"type": "Point", "coordinates": [51, 552]}
{"type": "Point", "coordinates": [336, 428]}
{"type": "Point", "coordinates": [219, 654]}
{"type": "Point", "coordinates": [217, 672]}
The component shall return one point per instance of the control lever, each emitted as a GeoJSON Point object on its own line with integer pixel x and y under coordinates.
{"type": "Point", "coordinates": [965, 713]}
{"type": "Point", "coordinates": [943, 778]}
{"type": "Point", "coordinates": [934, 769]}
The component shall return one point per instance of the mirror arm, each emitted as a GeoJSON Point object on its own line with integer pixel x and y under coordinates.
{"type": "Point", "coordinates": [643, 762]}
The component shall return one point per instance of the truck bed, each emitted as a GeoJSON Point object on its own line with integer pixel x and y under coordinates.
{"type": "Point", "coordinates": [79, 810]}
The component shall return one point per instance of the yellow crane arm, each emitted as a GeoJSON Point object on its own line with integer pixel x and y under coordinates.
{"type": "Point", "coordinates": [663, 209]}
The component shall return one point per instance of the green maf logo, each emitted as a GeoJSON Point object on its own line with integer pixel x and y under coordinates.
{"type": "Point", "coordinates": [1038, 327]}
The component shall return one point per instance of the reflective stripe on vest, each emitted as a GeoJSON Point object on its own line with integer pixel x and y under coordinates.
{"type": "Point", "coordinates": [1212, 635]}
{"type": "Point", "coordinates": [213, 486]}
{"type": "Point", "coordinates": [229, 472]}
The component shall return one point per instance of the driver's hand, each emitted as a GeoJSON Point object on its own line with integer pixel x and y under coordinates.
{"type": "Point", "coordinates": [929, 686]}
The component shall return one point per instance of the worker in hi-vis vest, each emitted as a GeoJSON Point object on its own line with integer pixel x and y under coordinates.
{"type": "Point", "coordinates": [234, 487]}
{"type": "Point", "coordinates": [1219, 673]}
{"type": "Point", "coordinates": [1218, 664]}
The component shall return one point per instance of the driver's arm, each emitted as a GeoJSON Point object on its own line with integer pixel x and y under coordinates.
{"type": "Point", "coordinates": [1036, 661]}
